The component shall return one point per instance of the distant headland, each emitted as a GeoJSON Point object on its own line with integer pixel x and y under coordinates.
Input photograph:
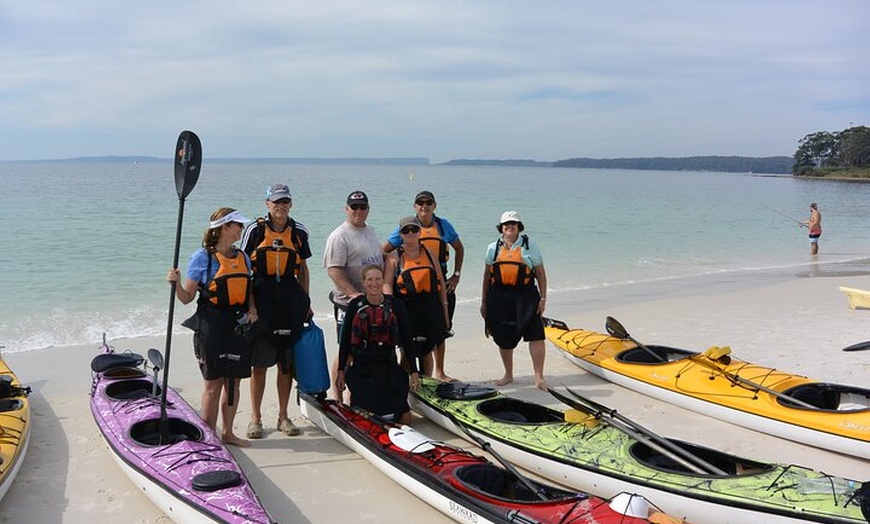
{"type": "Point", "coordinates": [727, 164]}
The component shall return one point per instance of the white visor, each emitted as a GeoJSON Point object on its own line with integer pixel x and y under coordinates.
{"type": "Point", "coordinates": [235, 216]}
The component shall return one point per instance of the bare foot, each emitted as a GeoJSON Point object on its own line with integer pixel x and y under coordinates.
{"type": "Point", "coordinates": [232, 440]}
{"type": "Point", "coordinates": [444, 378]}
{"type": "Point", "coordinates": [541, 384]}
{"type": "Point", "coordinates": [507, 379]}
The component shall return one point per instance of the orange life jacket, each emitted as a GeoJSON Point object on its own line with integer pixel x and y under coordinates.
{"type": "Point", "coordinates": [508, 267]}
{"type": "Point", "coordinates": [416, 276]}
{"type": "Point", "coordinates": [277, 255]}
{"type": "Point", "coordinates": [231, 284]}
{"type": "Point", "coordinates": [430, 238]}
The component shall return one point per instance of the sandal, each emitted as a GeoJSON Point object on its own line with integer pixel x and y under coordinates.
{"type": "Point", "coordinates": [255, 430]}
{"type": "Point", "coordinates": [286, 427]}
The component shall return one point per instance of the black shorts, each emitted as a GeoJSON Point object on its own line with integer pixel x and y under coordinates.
{"type": "Point", "coordinates": [266, 354]}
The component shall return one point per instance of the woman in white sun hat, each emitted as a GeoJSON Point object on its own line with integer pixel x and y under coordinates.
{"type": "Point", "coordinates": [514, 295]}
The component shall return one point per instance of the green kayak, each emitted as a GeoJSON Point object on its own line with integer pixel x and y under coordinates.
{"type": "Point", "coordinates": [603, 452]}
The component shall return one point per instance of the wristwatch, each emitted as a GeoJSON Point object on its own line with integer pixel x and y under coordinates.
{"type": "Point", "coordinates": [457, 274]}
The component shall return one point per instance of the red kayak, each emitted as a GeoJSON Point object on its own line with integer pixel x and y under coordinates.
{"type": "Point", "coordinates": [464, 486]}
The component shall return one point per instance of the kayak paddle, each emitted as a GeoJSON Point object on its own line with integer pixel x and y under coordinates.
{"type": "Point", "coordinates": [632, 429]}
{"type": "Point", "coordinates": [188, 160]}
{"type": "Point", "coordinates": [615, 329]}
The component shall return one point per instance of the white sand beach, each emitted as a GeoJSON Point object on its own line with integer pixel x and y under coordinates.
{"type": "Point", "coordinates": [69, 475]}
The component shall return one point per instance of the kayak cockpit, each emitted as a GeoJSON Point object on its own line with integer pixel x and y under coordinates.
{"type": "Point", "coordinates": [501, 484]}
{"type": "Point", "coordinates": [827, 397]}
{"type": "Point", "coordinates": [731, 465]}
{"type": "Point", "coordinates": [148, 432]}
{"type": "Point", "coordinates": [666, 354]}
{"type": "Point", "coordinates": [132, 389]}
{"type": "Point", "coordinates": [514, 411]}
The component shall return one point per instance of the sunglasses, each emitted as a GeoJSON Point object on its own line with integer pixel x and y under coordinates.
{"type": "Point", "coordinates": [281, 201]}
{"type": "Point", "coordinates": [425, 202]}
{"type": "Point", "coordinates": [407, 230]}
{"type": "Point", "coordinates": [511, 224]}
{"type": "Point", "coordinates": [357, 207]}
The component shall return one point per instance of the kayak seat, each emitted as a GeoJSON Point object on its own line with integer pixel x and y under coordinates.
{"type": "Point", "coordinates": [216, 480]}
{"type": "Point", "coordinates": [148, 432]}
{"type": "Point", "coordinates": [641, 356]}
{"type": "Point", "coordinates": [123, 372]}
{"type": "Point", "coordinates": [130, 389]}
{"type": "Point", "coordinates": [511, 410]}
{"type": "Point", "coordinates": [483, 477]}
{"type": "Point", "coordinates": [813, 394]}
{"type": "Point", "coordinates": [10, 404]}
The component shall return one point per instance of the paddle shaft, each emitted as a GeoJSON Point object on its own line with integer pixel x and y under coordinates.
{"type": "Point", "coordinates": [755, 385]}
{"type": "Point", "coordinates": [640, 433]}
{"type": "Point", "coordinates": [164, 421]}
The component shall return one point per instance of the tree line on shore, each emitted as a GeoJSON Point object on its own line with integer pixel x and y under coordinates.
{"type": "Point", "coordinates": [824, 152]}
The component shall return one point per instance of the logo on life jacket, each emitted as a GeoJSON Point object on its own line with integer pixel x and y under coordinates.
{"type": "Point", "coordinates": [416, 276]}
{"type": "Point", "coordinates": [508, 267]}
{"type": "Point", "coordinates": [231, 284]}
{"type": "Point", "coordinates": [374, 327]}
{"type": "Point", "coordinates": [277, 255]}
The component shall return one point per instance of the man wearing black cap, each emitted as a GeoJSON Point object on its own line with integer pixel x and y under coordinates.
{"type": "Point", "coordinates": [436, 234]}
{"type": "Point", "coordinates": [279, 249]}
{"type": "Point", "coordinates": [349, 248]}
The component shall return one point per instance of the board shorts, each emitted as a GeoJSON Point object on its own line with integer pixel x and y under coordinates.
{"type": "Point", "coordinates": [814, 238]}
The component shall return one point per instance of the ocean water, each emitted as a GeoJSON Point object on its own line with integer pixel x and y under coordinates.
{"type": "Point", "coordinates": [88, 243]}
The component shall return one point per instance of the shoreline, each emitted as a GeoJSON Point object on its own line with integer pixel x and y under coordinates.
{"type": "Point", "coordinates": [798, 324]}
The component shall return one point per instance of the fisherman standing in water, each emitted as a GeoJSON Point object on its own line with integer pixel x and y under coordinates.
{"type": "Point", "coordinates": [814, 224]}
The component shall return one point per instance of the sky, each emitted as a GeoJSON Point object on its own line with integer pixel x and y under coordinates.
{"type": "Point", "coordinates": [443, 79]}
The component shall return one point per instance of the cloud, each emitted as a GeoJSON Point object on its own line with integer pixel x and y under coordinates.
{"type": "Point", "coordinates": [490, 79]}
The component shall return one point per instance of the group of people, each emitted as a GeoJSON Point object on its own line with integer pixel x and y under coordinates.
{"type": "Point", "coordinates": [393, 304]}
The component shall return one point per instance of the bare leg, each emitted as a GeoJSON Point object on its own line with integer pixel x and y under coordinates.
{"type": "Point", "coordinates": [538, 350]}
{"type": "Point", "coordinates": [210, 401]}
{"type": "Point", "coordinates": [507, 358]}
{"type": "Point", "coordinates": [814, 248]}
{"type": "Point", "coordinates": [427, 365]}
{"type": "Point", "coordinates": [228, 416]}
{"type": "Point", "coordinates": [285, 382]}
{"type": "Point", "coordinates": [405, 418]}
{"type": "Point", "coordinates": [438, 353]}
{"type": "Point", "coordinates": [258, 389]}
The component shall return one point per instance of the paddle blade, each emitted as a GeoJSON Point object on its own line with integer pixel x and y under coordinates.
{"type": "Point", "coordinates": [615, 329]}
{"type": "Point", "coordinates": [860, 346]}
{"type": "Point", "coordinates": [188, 160]}
{"type": "Point", "coordinates": [156, 358]}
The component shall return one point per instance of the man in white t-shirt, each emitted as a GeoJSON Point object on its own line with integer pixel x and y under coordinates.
{"type": "Point", "coordinates": [349, 248]}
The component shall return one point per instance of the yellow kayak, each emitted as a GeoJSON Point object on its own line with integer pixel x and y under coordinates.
{"type": "Point", "coordinates": [829, 416]}
{"type": "Point", "coordinates": [14, 426]}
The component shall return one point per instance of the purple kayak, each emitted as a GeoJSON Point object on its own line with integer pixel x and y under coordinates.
{"type": "Point", "coordinates": [181, 465]}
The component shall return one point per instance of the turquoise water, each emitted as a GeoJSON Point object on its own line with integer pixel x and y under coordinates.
{"type": "Point", "coordinates": [88, 244]}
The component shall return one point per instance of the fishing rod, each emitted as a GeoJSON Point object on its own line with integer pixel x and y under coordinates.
{"type": "Point", "coordinates": [786, 216]}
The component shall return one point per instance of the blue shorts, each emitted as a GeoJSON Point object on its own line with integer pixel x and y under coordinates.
{"type": "Point", "coordinates": [814, 239]}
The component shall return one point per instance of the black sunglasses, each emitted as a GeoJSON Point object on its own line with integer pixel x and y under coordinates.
{"type": "Point", "coordinates": [357, 207]}
{"type": "Point", "coordinates": [425, 202]}
{"type": "Point", "coordinates": [407, 230]}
